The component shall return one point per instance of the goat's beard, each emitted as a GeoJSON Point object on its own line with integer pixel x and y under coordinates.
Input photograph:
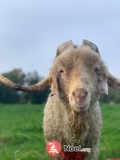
{"type": "Point", "coordinates": [77, 121]}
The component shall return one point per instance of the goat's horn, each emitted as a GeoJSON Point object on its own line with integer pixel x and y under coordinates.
{"type": "Point", "coordinates": [113, 82]}
{"type": "Point", "coordinates": [63, 47]}
{"type": "Point", "coordinates": [91, 45]}
{"type": "Point", "coordinates": [7, 82]}
{"type": "Point", "coordinates": [42, 85]}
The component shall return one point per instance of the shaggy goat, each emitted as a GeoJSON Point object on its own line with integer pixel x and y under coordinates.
{"type": "Point", "coordinates": [77, 78]}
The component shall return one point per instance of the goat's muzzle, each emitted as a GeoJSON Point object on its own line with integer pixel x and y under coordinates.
{"type": "Point", "coordinates": [79, 95]}
{"type": "Point", "coordinates": [80, 98]}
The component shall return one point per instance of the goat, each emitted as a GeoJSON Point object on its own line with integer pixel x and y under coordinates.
{"type": "Point", "coordinates": [77, 78]}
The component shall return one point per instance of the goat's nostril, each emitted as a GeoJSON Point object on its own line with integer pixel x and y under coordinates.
{"type": "Point", "coordinates": [73, 93]}
{"type": "Point", "coordinates": [86, 93]}
{"type": "Point", "coordinates": [79, 95]}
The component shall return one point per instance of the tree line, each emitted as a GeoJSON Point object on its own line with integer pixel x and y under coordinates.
{"type": "Point", "coordinates": [8, 95]}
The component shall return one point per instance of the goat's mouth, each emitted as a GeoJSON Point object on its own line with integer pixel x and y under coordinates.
{"type": "Point", "coordinates": [80, 106]}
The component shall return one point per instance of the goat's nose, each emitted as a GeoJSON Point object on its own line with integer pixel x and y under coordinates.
{"type": "Point", "coordinates": [79, 95]}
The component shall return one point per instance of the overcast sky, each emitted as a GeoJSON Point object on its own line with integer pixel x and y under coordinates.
{"type": "Point", "coordinates": [31, 30]}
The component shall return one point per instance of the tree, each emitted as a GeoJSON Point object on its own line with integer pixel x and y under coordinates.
{"type": "Point", "coordinates": [114, 97]}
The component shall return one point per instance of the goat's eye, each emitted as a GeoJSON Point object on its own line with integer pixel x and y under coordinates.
{"type": "Point", "coordinates": [96, 70]}
{"type": "Point", "coordinates": [61, 71]}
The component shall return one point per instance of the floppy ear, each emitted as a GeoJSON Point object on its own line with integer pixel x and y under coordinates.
{"type": "Point", "coordinates": [63, 47]}
{"type": "Point", "coordinates": [103, 85]}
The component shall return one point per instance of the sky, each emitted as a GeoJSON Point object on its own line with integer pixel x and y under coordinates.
{"type": "Point", "coordinates": [31, 31]}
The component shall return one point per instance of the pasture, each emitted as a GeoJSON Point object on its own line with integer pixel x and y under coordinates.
{"type": "Point", "coordinates": [21, 134]}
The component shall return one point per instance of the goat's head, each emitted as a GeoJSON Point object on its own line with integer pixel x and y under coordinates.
{"type": "Point", "coordinates": [78, 76]}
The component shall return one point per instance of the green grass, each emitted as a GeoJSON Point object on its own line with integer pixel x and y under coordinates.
{"type": "Point", "coordinates": [21, 135]}
{"type": "Point", "coordinates": [110, 138]}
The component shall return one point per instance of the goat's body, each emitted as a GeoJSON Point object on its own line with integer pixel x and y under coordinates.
{"type": "Point", "coordinates": [57, 126]}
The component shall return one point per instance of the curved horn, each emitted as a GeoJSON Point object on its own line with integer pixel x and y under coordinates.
{"type": "Point", "coordinates": [7, 82]}
{"type": "Point", "coordinates": [91, 45]}
{"type": "Point", "coordinates": [113, 82]}
{"type": "Point", "coordinates": [42, 85]}
{"type": "Point", "coordinates": [63, 47]}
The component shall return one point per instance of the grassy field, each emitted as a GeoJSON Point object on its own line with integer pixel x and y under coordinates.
{"type": "Point", "coordinates": [21, 135]}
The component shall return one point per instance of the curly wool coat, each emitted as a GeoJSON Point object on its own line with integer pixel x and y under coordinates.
{"type": "Point", "coordinates": [62, 120]}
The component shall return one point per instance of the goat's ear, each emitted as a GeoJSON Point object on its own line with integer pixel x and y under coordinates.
{"type": "Point", "coordinates": [103, 86]}
{"type": "Point", "coordinates": [63, 47]}
{"type": "Point", "coordinates": [91, 45]}
{"type": "Point", "coordinates": [113, 82]}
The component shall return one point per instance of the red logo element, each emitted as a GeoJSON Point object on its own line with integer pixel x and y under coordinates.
{"type": "Point", "coordinates": [73, 155]}
{"type": "Point", "coordinates": [53, 148]}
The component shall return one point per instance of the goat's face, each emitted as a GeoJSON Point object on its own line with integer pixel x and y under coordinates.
{"type": "Point", "coordinates": [78, 77]}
